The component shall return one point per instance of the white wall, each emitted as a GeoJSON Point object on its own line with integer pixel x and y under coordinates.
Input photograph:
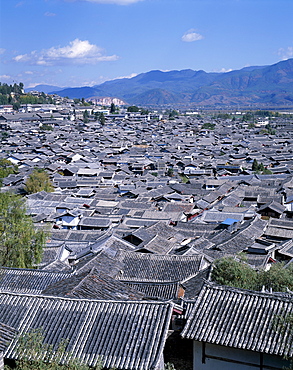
{"type": "Point", "coordinates": [225, 358]}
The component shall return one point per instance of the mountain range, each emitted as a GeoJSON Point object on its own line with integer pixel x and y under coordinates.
{"type": "Point", "coordinates": [260, 86]}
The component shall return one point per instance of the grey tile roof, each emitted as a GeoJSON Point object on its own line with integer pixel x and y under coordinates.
{"type": "Point", "coordinates": [159, 245]}
{"type": "Point", "coordinates": [93, 285]}
{"type": "Point", "coordinates": [194, 284]}
{"type": "Point", "coordinates": [126, 335]}
{"type": "Point", "coordinates": [161, 291]}
{"type": "Point", "coordinates": [276, 207]}
{"type": "Point", "coordinates": [103, 262]}
{"type": "Point", "coordinates": [28, 280]}
{"type": "Point", "coordinates": [95, 222]}
{"type": "Point", "coordinates": [157, 268]}
{"type": "Point", "coordinates": [287, 248]}
{"type": "Point", "coordinates": [216, 216]}
{"type": "Point", "coordinates": [241, 319]}
{"type": "Point", "coordinates": [7, 334]}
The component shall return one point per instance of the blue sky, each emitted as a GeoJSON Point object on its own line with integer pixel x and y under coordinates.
{"type": "Point", "coordinates": [87, 42]}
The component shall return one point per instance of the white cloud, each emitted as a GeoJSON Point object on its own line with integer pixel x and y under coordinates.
{"type": "Point", "coordinates": [191, 36]}
{"type": "Point", "coordinates": [129, 76]}
{"type": "Point", "coordinates": [34, 84]}
{"type": "Point", "coordinates": [286, 53]}
{"type": "Point", "coordinates": [224, 70]}
{"type": "Point", "coordinates": [2, 51]}
{"type": "Point", "coordinates": [49, 14]}
{"type": "Point", "coordinates": [117, 2]}
{"type": "Point", "coordinates": [77, 52]}
{"type": "Point", "coordinates": [5, 77]}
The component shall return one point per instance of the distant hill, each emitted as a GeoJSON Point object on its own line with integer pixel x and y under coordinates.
{"type": "Point", "coordinates": [256, 86]}
{"type": "Point", "coordinates": [44, 88]}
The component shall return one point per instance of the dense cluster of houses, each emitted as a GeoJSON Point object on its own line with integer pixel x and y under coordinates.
{"type": "Point", "coordinates": [142, 207]}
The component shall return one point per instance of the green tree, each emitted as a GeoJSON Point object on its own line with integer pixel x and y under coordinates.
{"type": "Point", "coordinates": [261, 167]}
{"type": "Point", "coordinates": [21, 244]}
{"type": "Point", "coordinates": [277, 278]}
{"type": "Point", "coordinates": [7, 168]}
{"type": "Point", "coordinates": [144, 111]}
{"type": "Point", "coordinates": [46, 127]}
{"type": "Point", "coordinates": [266, 171]}
{"type": "Point", "coordinates": [37, 181]}
{"type": "Point", "coordinates": [33, 353]}
{"type": "Point", "coordinates": [86, 116]}
{"type": "Point", "coordinates": [228, 271]}
{"type": "Point", "coordinates": [99, 116]}
{"type": "Point", "coordinates": [184, 178]}
{"type": "Point", "coordinates": [270, 130]}
{"type": "Point", "coordinates": [247, 117]}
{"type": "Point", "coordinates": [133, 108]}
{"type": "Point", "coordinates": [283, 324]}
{"type": "Point", "coordinates": [102, 119]}
{"type": "Point", "coordinates": [236, 273]}
{"type": "Point", "coordinates": [112, 108]}
{"type": "Point", "coordinates": [255, 165]}
{"type": "Point", "coordinates": [4, 135]}
{"type": "Point", "coordinates": [223, 115]}
{"type": "Point", "coordinates": [208, 126]}
{"type": "Point", "coordinates": [173, 113]}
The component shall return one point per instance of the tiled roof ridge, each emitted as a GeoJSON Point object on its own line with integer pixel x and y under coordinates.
{"type": "Point", "coordinates": [90, 300]}
{"type": "Point", "coordinates": [277, 295]}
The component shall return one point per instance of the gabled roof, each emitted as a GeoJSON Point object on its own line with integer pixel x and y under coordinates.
{"type": "Point", "coordinates": [274, 206]}
{"type": "Point", "coordinates": [161, 291]}
{"type": "Point", "coordinates": [157, 268]}
{"type": "Point", "coordinates": [241, 319]}
{"type": "Point", "coordinates": [28, 280]}
{"type": "Point", "coordinates": [126, 335]}
{"type": "Point", "coordinates": [7, 334]}
{"type": "Point", "coordinates": [93, 285]}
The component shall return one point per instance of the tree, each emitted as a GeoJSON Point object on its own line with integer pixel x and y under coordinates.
{"type": "Point", "coordinates": [33, 353]}
{"type": "Point", "coordinates": [112, 108]}
{"type": "Point", "coordinates": [144, 111]}
{"type": "Point", "coordinates": [208, 126]}
{"type": "Point", "coordinates": [247, 117]}
{"type": "Point", "coordinates": [37, 181]}
{"type": "Point", "coordinates": [7, 168]}
{"type": "Point", "coordinates": [102, 119]}
{"type": "Point", "coordinates": [277, 278]}
{"type": "Point", "coordinates": [99, 116]}
{"type": "Point", "coordinates": [270, 130]}
{"type": "Point", "coordinates": [21, 245]}
{"type": "Point", "coordinates": [266, 171]}
{"type": "Point", "coordinates": [228, 271]}
{"type": "Point", "coordinates": [255, 165]}
{"type": "Point", "coordinates": [283, 324]}
{"type": "Point", "coordinates": [260, 168]}
{"type": "Point", "coordinates": [238, 274]}
{"type": "Point", "coordinates": [133, 108]}
{"type": "Point", "coordinates": [46, 127]}
{"type": "Point", "coordinates": [86, 116]}
{"type": "Point", "coordinates": [173, 114]}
